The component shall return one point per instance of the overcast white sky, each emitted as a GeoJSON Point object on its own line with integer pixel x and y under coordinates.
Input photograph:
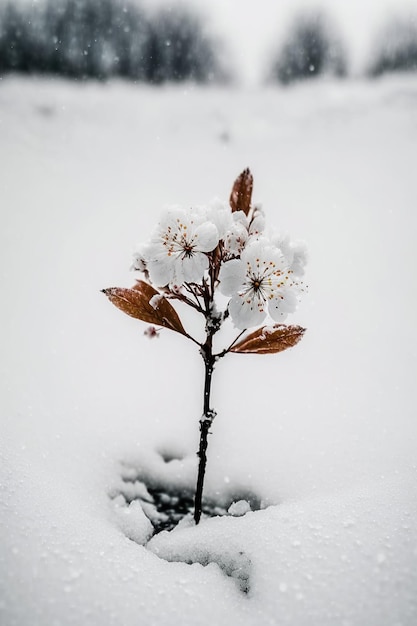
{"type": "Point", "coordinates": [252, 26]}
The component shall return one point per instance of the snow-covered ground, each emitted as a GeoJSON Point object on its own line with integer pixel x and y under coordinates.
{"type": "Point", "coordinates": [325, 432]}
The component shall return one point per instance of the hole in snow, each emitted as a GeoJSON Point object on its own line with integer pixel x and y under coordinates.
{"type": "Point", "coordinates": [158, 495]}
{"type": "Point", "coordinates": [166, 497]}
{"type": "Point", "coordinates": [170, 455]}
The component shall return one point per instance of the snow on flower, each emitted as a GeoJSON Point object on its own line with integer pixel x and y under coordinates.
{"type": "Point", "coordinates": [138, 262]}
{"type": "Point", "coordinates": [260, 282]}
{"type": "Point", "coordinates": [259, 274]}
{"type": "Point", "coordinates": [219, 213]}
{"type": "Point", "coordinates": [294, 251]}
{"type": "Point", "coordinates": [155, 300]}
{"type": "Point", "coordinates": [177, 253]}
{"type": "Point", "coordinates": [242, 230]}
{"type": "Point", "coordinates": [236, 237]}
{"type": "Point", "coordinates": [192, 255]}
{"type": "Point", "coordinates": [257, 223]}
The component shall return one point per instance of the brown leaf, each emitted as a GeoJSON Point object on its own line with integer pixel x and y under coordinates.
{"type": "Point", "coordinates": [135, 302]}
{"type": "Point", "coordinates": [269, 340]}
{"type": "Point", "coordinates": [241, 196]}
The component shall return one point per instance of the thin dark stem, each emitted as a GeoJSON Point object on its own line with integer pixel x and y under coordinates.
{"type": "Point", "coordinates": [195, 304]}
{"type": "Point", "coordinates": [192, 339]}
{"type": "Point", "coordinates": [183, 298]}
{"type": "Point", "coordinates": [205, 423]}
{"type": "Point", "coordinates": [226, 350]}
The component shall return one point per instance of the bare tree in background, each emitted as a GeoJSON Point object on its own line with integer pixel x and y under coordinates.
{"type": "Point", "coordinates": [310, 48]}
{"type": "Point", "coordinates": [102, 38]}
{"type": "Point", "coordinates": [178, 48]}
{"type": "Point", "coordinates": [395, 48]}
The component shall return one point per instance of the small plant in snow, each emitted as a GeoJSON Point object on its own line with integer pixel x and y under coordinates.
{"type": "Point", "coordinates": [199, 253]}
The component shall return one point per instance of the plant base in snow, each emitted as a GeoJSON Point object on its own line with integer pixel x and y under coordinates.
{"type": "Point", "coordinates": [165, 502]}
{"type": "Point", "coordinates": [157, 495]}
{"type": "Point", "coordinates": [197, 257]}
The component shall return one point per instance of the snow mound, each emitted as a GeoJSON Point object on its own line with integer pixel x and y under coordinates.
{"type": "Point", "coordinates": [163, 486]}
{"type": "Point", "coordinates": [132, 520]}
{"type": "Point", "coordinates": [212, 542]}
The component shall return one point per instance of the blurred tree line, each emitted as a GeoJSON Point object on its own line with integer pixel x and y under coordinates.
{"type": "Point", "coordinates": [312, 47]}
{"type": "Point", "coordinates": [396, 47]}
{"type": "Point", "coordinates": [103, 38]}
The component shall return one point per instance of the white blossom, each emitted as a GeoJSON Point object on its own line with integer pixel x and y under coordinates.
{"type": "Point", "coordinates": [294, 251]}
{"type": "Point", "coordinates": [260, 282]}
{"type": "Point", "coordinates": [257, 225]}
{"type": "Point", "coordinates": [236, 237]}
{"type": "Point", "coordinates": [242, 231]}
{"type": "Point", "coordinates": [178, 251]}
{"type": "Point", "coordinates": [138, 262]}
{"type": "Point", "coordinates": [219, 213]}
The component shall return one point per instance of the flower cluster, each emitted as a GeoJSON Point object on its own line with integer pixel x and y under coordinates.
{"type": "Point", "coordinates": [198, 254]}
{"type": "Point", "coordinates": [199, 251]}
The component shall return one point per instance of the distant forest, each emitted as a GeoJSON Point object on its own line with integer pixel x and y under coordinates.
{"type": "Point", "coordinates": [311, 47]}
{"type": "Point", "coordinates": [100, 39]}
{"type": "Point", "coordinates": [104, 38]}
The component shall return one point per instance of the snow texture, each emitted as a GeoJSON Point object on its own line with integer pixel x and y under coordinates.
{"type": "Point", "coordinates": [324, 433]}
{"type": "Point", "coordinates": [132, 520]}
{"type": "Point", "coordinates": [155, 300]}
{"type": "Point", "coordinates": [239, 508]}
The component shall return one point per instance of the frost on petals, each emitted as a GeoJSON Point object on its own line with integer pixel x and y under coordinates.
{"type": "Point", "coordinates": [177, 253]}
{"type": "Point", "coordinates": [295, 252]}
{"type": "Point", "coordinates": [242, 230]}
{"type": "Point", "coordinates": [138, 261]}
{"type": "Point", "coordinates": [260, 282]}
{"type": "Point", "coordinates": [197, 252]}
{"type": "Point", "coordinates": [155, 300]}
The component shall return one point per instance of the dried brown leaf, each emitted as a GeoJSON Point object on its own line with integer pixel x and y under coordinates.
{"type": "Point", "coordinates": [135, 302]}
{"type": "Point", "coordinates": [241, 196]}
{"type": "Point", "coordinates": [269, 340]}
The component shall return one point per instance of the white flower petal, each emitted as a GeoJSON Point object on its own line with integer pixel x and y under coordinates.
{"type": "Point", "coordinates": [300, 258]}
{"type": "Point", "coordinates": [206, 237]}
{"type": "Point", "coordinates": [191, 269]}
{"type": "Point", "coordinates": [255, 250]}
{"type": "Point", "coordinates": [289, 300]}
{"type": "Point", "coordinates": [176, 251]}
{"type": "Point", "coordinates": [231, 277]}
{"type": "Point", "coordinates": [220, 215]}
{"type": "Point", "coordinates": [139, 262]}
{"type": "Point", "coordinates": [161, 271]}
{"type": "Point", "coordinates": [246, 312]}
{"type": "Point", "coordinates": [260, 283]}
{"type": "Point", "coordinates": [295, 252]}
{"type": "Point", "coordinates": [240, 217]}
{"type": "Point", "coordinates": [280, 306]}
{"type": "Point", "coordinates": [235, 238]}
{"type": "Point", "coordinates": [257, 226]}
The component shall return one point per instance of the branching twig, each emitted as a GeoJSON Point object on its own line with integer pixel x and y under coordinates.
{"type": "Point", "coordinates": [226, 350]}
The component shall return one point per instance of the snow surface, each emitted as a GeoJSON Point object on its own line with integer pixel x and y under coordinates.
{"type": "Point", "coordinates": [325, 432]}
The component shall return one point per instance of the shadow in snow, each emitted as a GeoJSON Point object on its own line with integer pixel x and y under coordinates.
{"type": "Point", "coordinates": [166, 498]}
